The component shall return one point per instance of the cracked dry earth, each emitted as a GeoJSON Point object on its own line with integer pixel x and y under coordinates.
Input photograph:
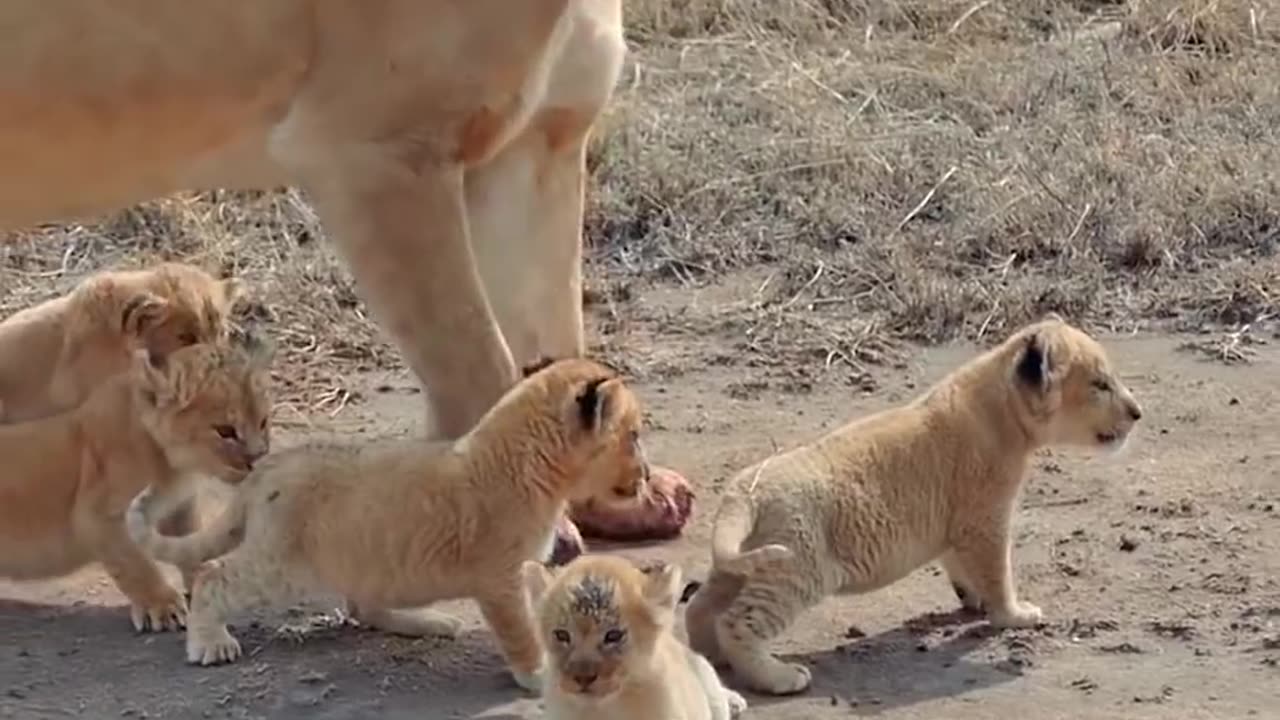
{"type": "Point", "coordinates": [1157, 570]}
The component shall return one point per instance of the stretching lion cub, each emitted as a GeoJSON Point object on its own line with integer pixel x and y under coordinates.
{"type": "Point", "coordinates": [607, 628]}
{"type": "Point", "coordinates": [66, 480]}
{"type": "Point", "coordinates": [54, 354]}
{"type": "Point", "coordinates": [872, 501]}
{"type": "Point", "coordinates": [399, 524]}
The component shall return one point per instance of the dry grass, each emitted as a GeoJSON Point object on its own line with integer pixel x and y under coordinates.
{"type": "Point", "coordinates": [905, 170]}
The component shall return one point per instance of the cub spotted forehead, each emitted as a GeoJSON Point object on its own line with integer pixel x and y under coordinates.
{"type": "Point", "coordinates": [593, 596]}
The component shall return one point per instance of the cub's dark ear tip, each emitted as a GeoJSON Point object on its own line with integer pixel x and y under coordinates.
{"type": "Point", "coordinates": [1031, 363]}
{"type": "Point", "coordinates": [590, 401]}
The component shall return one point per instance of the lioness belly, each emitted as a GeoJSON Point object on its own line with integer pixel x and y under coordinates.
{"type": "Point", "coordinates": [106, 104]}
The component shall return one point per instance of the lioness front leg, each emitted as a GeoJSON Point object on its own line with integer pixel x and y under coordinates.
{"type": "Point", "coordinates": [403, 232]}
{"type": "Point", "coordinates": [155, 605]}
{"type": "Point", "coordinates": [508, 615]}
{"type": "Point", "coordinates": [420, 622]}
{"type": "Point", "coordinates": [984, 558]}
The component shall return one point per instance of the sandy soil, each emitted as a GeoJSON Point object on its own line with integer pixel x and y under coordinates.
{"type": "Point", "coordinates": [1157, 569]}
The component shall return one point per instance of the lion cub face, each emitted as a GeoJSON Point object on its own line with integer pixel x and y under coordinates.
{"type": "Point", "coordinates": [599, 619]}
{"type": "Point", "coordinates": [1071, 387]}
{"type": "Point", "coordinates": [208, 405]}
{"type": "Point", "coordinates": [608, 418]}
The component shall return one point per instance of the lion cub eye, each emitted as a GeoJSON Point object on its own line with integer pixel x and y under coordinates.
{"type": "Point", "coordinates": [614, 636]}
{"type": "Point", "coordinates": [1101, 385]}
{"type": "Point", "coordinates": [226, 432]}
{"type": "Point", "coordinates": [561, 636]}
{"type": "Point", "coordinates": [187, 338]}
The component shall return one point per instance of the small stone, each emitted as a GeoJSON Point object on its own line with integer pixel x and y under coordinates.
{"type": "Point", "coordinates": [1128, 544]}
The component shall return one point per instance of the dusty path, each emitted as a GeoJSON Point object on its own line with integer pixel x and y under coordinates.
{"type": "Point", "coordinates": [1158, 571]}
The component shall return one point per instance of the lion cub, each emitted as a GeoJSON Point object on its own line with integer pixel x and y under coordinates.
{"type": "Point", "coordinates": [402, 523]}
{"type": "Point", "coordinates": [872, 501]}
{"type": "Point", "coordinates": [54, 354]}
{"type": "Point", "coordinates": [607, 629]}
{"type": "Point", "coordinates": [66, 480]}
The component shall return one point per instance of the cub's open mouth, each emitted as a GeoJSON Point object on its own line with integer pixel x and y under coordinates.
{"type": "Point", "coordinates": [1107, 438]}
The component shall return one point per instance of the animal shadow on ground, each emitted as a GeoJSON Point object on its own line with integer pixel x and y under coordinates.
{"type": "Point", "coordinates": [923, 659]}
{"type": "Point", "coordinates": [296, 664]}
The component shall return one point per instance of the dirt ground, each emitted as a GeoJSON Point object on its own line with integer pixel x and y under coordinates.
{"type": "Point", "coordinates": [800, 211]}
{"type": "Point", "coordinates": [1157, 568]}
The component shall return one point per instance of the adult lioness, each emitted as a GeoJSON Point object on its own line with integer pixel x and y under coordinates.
{"type": "Point", "coordinates": [872, 501]}
{"type": "Point", "coordinates": [398, 524]}
{"type": "Point", "coordinates": [52, 355]}
{"type": "Point", "coordinates": [442, 142]}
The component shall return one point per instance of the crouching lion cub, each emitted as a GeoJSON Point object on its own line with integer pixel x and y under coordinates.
{"type": "Point", "coordinates": [607, 628]}
{"type": "Point", "coordinates": [872, 501]}
{"type": "Point", "coordinates": [400, 524]}
{"type": "Point", "coordinates": [52, 355]}
{"type": "Point", "coordinates": [66, 480]}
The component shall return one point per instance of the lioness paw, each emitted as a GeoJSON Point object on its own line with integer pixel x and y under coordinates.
{"type": "Point", "coordinates": [165, 615]}
{"type": "Point", "coordinates": [220, 648]}
{"type": "Point", "coordinates": [1022, 615]}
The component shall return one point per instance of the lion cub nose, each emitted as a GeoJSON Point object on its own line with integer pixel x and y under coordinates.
{"type": "Point", "coordinates": [1135, 411]}
{"type": "Point", "coordinates": [585, 679]}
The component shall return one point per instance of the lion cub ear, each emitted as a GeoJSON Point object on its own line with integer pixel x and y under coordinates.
{"type": "Point", "coordinates": [141, 313]}
{"type": "Point", "coordinates": [150, 372]}
{"type": "Point", "coordinates": [598, 403]}
{"type": "Point", "coordinates": [1034, 363]}
{"type": "Point", "coordinates": [259, 347]}
{"type": "Point", "coordinates": [537, 578]}
{"type": "Point", "coordinates": [662, 586]}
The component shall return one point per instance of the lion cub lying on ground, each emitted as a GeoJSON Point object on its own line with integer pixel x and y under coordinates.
{"type": "Point", "coordinates": [607, 629]}
{"type": "Point", "coordinates": [403, 523]}
{"type": "Point", "coordinates": [66, 480]}
{"type": "Point", "coordinates": [872, 501]}
{"type": "Point", "coordinates": [54, 354]}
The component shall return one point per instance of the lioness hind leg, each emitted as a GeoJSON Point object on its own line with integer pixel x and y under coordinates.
{"type": "Point", "coordinates": [509, 616]}
{"type": "Point", "coordinates": [985, 561]}
{"type": "Point", "coordinates": [705, 607]}
{"type": "Point", "coordinates": [419, 622]}
{"type": "Point", "coordinates": [762, 610]}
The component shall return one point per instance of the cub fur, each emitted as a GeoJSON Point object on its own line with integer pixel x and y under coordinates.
{"type": "Point", "coordinates": [52, 355]}
{"type": "Point", "coordinates": [607, 627]}
{"type": "Point", "coordinates": [399, 524]}
{"type": "Point", "coordinates": [66, 480]}
{"type": "Point", "coordinates": [872, 501]}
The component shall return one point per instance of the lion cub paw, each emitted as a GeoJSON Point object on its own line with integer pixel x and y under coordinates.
{"type": "Point", "coordinates": [784, 679]}
{"type": "Point", "coordinates": [220, 648]}
{"type": "Point", "coordinates": [531, 681]}
{"type": "Point", "coordinates": [170, 613]}
{"type": "Point", "coordinates": [1022, 615]}
{"type": "Point", "coordinates": [737, 703]}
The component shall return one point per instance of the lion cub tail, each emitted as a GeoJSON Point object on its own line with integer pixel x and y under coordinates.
{"type": "Point", "coordinates": [733, 524]}
{"type": "Point", "coordinates": [223, 534]}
